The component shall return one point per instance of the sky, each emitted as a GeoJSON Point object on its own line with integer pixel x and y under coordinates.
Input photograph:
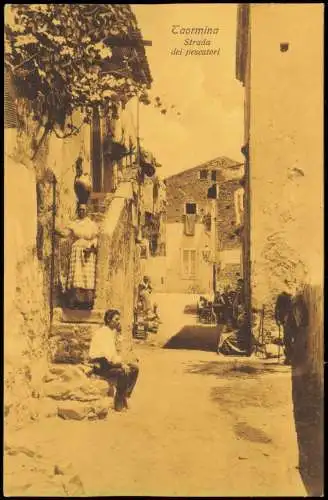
{"type": "Point", "coordinates": [202, 88]}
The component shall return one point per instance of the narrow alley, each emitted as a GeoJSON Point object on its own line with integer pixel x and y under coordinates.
{"type": "Point", "coordinates": [163, 295]}
{"type": "Point", "coordinates": [199, 424]}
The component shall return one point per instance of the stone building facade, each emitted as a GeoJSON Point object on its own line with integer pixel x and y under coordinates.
{"type": "Point", "coordinates": [39, 196]}
{"type": "Point", "coordinates": [208, 253]}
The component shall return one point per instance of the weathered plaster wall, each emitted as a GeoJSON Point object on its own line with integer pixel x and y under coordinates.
{"type": "Point", "coordinates": [286, 147]}
{"type": "Point", "coordinates": [284, 94]}
{"type": "Point", "coordinates": [27, 272]}
{"type": "Point", "coordinates": [61, 161]}
{"type": "Point", "coordinates": [25, 302]}
{"type": "Point", "coordinates": [116, 260]}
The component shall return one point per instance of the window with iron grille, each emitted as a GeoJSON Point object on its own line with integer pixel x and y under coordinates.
{"type": "Point", "coordinates": [203, 175]}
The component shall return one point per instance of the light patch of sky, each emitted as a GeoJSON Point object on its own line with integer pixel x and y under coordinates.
{"type": "Point", "coordinates": [202, 88]}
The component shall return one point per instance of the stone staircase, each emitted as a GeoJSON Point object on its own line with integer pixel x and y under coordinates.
{"type": "Point", "coordinates": [68, 387]}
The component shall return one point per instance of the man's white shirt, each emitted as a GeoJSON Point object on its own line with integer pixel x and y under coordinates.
{"type": "Point", "coordinates": [103, 344]}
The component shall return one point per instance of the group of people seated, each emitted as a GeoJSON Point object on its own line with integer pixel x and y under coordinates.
{"type": "Point", "coordinates": [227, 308]}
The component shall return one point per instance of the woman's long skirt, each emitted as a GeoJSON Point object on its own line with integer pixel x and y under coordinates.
{"type": "Point", "coordinates": [81, 278]}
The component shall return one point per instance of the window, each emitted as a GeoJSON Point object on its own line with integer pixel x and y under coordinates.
{"type": "Point", "coordinates": [284, 47]}
{"type": "Point", "coordinates": [203, 175]}
{"type": "Point", "coordinates": [213, 192]}
{"type": "Point", "coordinates": [213, 175]}
{"type": "Point", "coordinates": [189, 263]}
{"type": "Point", "coordinates": [191, 208]}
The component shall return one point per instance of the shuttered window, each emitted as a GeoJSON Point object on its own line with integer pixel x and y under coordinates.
{"type": "Point", "coordinates": [10, 110]}
{"type": "Point", "coordinates": [189, 263]}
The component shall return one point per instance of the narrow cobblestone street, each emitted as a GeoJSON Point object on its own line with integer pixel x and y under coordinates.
{"type": "Point", "coordinates": [199, 424]}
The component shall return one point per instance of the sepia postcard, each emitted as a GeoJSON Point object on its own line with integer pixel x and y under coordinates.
{"type": "Point", "coordinates": [163, 228]}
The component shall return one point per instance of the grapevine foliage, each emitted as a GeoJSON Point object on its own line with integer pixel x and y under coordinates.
{"type": "Point", "coordinates": [61, 60]}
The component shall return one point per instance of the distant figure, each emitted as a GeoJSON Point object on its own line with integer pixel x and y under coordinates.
{"type": "Point", "coordinates": [228, 298]}
{"type": "Point", "coordinates": [290, 313]}
{"type": "Point", "coordinates": [219, 306]}
{"type": "Point", "coordinates": [82, 264]}
{"type": "Point", "coordinates": [234, 343]}
{"type": "Point", "coordinates": [145, 290]}
{"type": "Point", "coordinates": [104, 353]}
{"type": "Point", "coordinates": [284, 318]}
{"type": "Point", "coordinates": [238, 301]}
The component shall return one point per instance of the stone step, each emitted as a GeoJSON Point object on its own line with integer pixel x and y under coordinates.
{"type": "Point", "coordinates": [69, 342]}
{"type": "Point", "coordinates": [77, 394]}
{"type": "Point", "coordinates": [78, 316]}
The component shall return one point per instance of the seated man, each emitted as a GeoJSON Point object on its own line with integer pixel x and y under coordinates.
{"type": "Point", "coordinates": [104, 352]}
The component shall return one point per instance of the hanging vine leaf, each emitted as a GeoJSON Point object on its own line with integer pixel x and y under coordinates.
{"type": "Point", "coordinates": [59, 58]}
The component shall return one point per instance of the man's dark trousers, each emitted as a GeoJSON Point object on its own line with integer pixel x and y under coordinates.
{"type": "Point", "coordinates": [125, 382]}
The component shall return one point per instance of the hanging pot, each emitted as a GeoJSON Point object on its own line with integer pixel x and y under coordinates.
{"type": "Point", "coordinates": [147, 168]}
{"type": "Point", "coordinates": [83, 187]}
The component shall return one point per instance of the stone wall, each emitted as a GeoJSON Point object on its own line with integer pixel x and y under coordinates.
{"type": "Point", "coordinates": [228, 275]}
{"type": "Point", "coordinates": [226, 223]}
{"type": "Point", "coordinates": [116, 260]}
{"type": "Point", "coordinates": [26, 303]}
{"type": "Point", "coordinates": [187, 187]}
{"type": "Point", "coordinates": [28, 250]}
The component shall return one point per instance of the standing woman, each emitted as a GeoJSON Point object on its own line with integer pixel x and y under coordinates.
{"type": "Point", "coordinates": [81, 280]}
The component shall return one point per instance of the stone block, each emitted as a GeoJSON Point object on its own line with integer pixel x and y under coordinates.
{"type": "Point", "coordinates": [95, 316]}
{"type": "Point", "coordinates": [74, 486]}
{"type": "Point", "coordinates": [72, 410]}
{"type": "Point", "coordinates": [42, 408]}
{"type": "Point", "coordinates": [13, 450]}
{"type": "Point", "coordinates": [67, 373]}
{"type": "Point", "coordinates": [76, 410]}
{"type": "Point", "coordinates": [69, 342]}
{"type": "Point", "coordinates": [57, 390]}
{"type": "Point", "coordinates": [72, 384]}
{"type": "Point", "coordinates": [63, 469]}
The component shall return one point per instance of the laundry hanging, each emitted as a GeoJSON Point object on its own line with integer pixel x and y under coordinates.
{"type": "Point", "coordinates": [147, 196]}
{"type": "Point", "coordinates": [190, 224]}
